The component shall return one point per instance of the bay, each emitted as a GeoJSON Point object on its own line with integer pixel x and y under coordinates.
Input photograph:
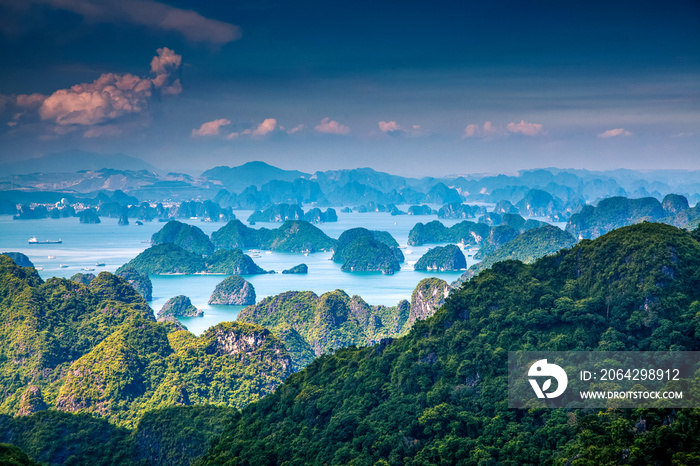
{"type": "Point", "coordinates": [85, 245]}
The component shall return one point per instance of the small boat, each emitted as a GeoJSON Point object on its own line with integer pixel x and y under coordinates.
{"type": "Point", "coordinates": [38, 269]}
{"type": "Point", "coordinates": [33, 240]}
{"type": "Point", "coordinates": [63, 266]}
{"type": "Point", "coordinates": [51, 257]}
{"type": "Point", "coordinates": [100, 264]}
{"type": "Point", "coordinates": [268, 252]}
{"type": "Point", "coordinates": [408, 251]}
{"type": "Point", "coordinates": [88, 269]}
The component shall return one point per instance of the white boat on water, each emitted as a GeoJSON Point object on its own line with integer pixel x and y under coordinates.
{"type": "Point", "coordinates": [100, 264]}
{"type": "Point", "coordinates": [33, 240]}
{"type": "Point", "coordinates": [88, 269]}
{"type": "Point", "coordinates": [63, 266]}
{"type": "Point", "coordinates": [51, 257]}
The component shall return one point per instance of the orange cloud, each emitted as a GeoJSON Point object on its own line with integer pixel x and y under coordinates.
{"type": "Point", "coordinates": [111, 95]}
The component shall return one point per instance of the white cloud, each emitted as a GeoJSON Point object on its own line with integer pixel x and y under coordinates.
{"type": "Point", "coordinates": [611, 133]}
{"type": "Point", "coordinates": [151, 14]}
{"type": "Point", "coordinates": [210, 128]}
{"type": "Point", "coordinates": [528, 129]}
{"type": "Point", "coordinates": [329, 126]}
{"type": "Point", "coordinates": [110, 96]}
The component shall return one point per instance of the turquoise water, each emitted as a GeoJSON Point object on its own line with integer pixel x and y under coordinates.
{"type": "Point", "coordinates": [111, 244]}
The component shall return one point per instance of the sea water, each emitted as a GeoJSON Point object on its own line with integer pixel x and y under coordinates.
{"type": "Point", "coordinates": [85, 245]}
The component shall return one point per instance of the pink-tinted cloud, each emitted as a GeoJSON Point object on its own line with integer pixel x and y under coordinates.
{"type": "Point", "coordinates": [30, 100]}
{"type": "Point", "coordinates": [151, 14]}
{"type": "Point", "coordinates": [387, 126]}
{"type": "Point", "coordinates": [491, 130]}
{"type": "Point", "coordinates": [329, 126]}
{"type": "Point", "coordinates": [528, 129]}
{"type": "Point", "coordinates": [266, 127]}
{"type": "Point", "coordinates": [612, 133]}
{"type": "Point", "coordinates": [111, 96]}
{"type": "Point", "coordinates": [473, 130]}
{"type": "Point", "coordinates": [210, 128]}
{"type": "Point", "coordinates": [296, 129]}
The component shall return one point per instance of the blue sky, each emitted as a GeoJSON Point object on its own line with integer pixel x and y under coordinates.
{"type": "Point", "coordinates": [413, 88]}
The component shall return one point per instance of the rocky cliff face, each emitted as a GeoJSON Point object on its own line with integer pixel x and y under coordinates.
{"type": "Point", "coordinates": [253, 341]}
{"type": "Point", "coordinates": [427, 298]}
{"type": "Point", "coordinates": [233, 290]}
{"type": "Point", "coordinates": [31, 401]}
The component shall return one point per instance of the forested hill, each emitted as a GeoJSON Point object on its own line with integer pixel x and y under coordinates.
{"type": "Point", "coordinates": [439, 395]}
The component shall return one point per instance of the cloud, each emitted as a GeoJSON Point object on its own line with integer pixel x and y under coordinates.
{"type": "Point", "coordinates": [471, 130]}
{"type": "Point", "coordinates": [30, 100]}
{"type": "Point", "coordinates": [110, 96]}
{"type": "Point", "coordinates": [296, 129]}
{"type": "Point", "coordinates": [210, 128]}
{"type": "Point", "coordinates": [266, 127]}
{"type": "Point", "coordinates": [151, 14]}
{"type": "Point", "coordinates": [528, 129]}
{"type": "Point", "coordinates": [489, 129]}
{"type": "Point", "coordinates": [611, 133]}
{"type": "Point", "coordinates": [388, 126]}
{"type": "Point", "coordinates": [329, 126]}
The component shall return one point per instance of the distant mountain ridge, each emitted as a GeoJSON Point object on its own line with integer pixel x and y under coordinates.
{"type": "Point", "coordinates": [236, 179]}
{"type": "Point", "coordinates": [75, 160]}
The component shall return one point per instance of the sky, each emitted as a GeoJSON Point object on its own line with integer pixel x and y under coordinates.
{"type": "Point", "coordinates": [411, 88]}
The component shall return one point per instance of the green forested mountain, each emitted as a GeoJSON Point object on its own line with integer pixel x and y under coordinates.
{"type": "Point", "coordinates": [526, 247]}
{"type": "Point", "coordinates": [169, 258]}
{"type": "Point", "coordinates": [439, 394]}
{"type": "Point", "coordinates": [449, 257]}
{"type": "Point", "coordinates": [98, 349]}
{"type": "Point", "coordinates": [363, 250]}
{"type": "Point", "coordinates": [166, 258]}
{"type": "Point", "coordinates": [311, 325]}
{"type": "Point", "coordinates": [186, 236]}
{"type": "Point", "coordinates": [614, 212]}
{"type": "Point", "coordinates": [292, 236]}
{"type": "Point", "coordinates": [277, 213]}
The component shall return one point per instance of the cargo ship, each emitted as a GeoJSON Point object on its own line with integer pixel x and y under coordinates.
{"type": "Point", "coordinates": [33, 240]}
